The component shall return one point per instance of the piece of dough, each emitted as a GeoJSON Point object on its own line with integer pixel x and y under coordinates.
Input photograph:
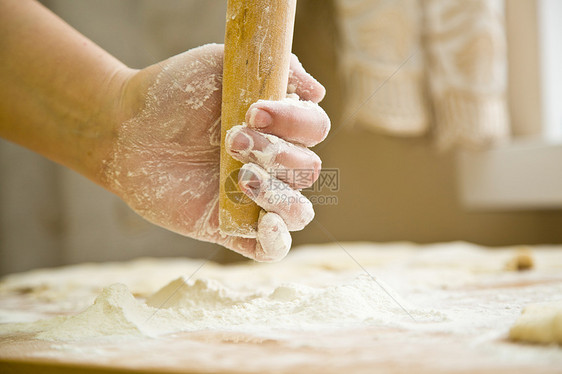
{"type": "Point", "coordinates": [539, 323]}
{"type": "Point", "coordinates": [522, 260]}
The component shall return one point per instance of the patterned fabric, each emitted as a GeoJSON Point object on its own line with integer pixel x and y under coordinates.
{"type": "Point", "coordinates": [409, 63]}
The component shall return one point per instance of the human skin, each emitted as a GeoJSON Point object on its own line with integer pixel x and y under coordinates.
{"type": "Point", "coordinates": [151, 136]}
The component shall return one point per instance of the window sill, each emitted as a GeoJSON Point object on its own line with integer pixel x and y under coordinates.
{"type": "Point", "coordinates": [525, 174]}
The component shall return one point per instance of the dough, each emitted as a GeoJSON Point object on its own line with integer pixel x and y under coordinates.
{"type": "Point", "coordinates": [522, 260]}
{"type": "Point", "coordinates": [539, 323]}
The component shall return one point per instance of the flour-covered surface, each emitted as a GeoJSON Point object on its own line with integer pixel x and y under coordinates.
{"type": "Point", "coordinates": [316, 311]}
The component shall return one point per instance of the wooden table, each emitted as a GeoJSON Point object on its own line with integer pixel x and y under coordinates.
{"type": "Point", "coordinates": [468, 284]}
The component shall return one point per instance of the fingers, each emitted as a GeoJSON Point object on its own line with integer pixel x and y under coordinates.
{"type": "Point", "coordinates": [275, 139]}
{"type": "Point", "coordinates": [274, 239]}
{"type": "Point", "coordinates": [303, 84]}
{"type": "Point", "coordinates": [302, 122]}
{"type": "Point", "coordinates": [272, 244]}
{"type": "Point", "coordinates": [293, 164]}
{"type": "Point", "coordinates": [275, 196]}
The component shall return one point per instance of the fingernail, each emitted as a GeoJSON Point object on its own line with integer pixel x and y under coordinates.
{"type": "Point", "coordinates": [259, 118]}
{"type": "Point", "coordinates": [249, 182]}
{"type": "Point", "coordinates": [237, 141]}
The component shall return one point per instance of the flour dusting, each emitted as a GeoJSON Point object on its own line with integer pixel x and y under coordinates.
{"type": "Point", "coordinates": [206, 304]}
{"type": "Point", "coordinates": [316, 305]}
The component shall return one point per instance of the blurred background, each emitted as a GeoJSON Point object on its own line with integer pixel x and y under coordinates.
{"type": "Point", "coordinates": [390, 186]}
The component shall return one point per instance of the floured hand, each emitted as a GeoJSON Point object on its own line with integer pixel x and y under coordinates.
{"type": "Point", "coordinates": [165, 157]}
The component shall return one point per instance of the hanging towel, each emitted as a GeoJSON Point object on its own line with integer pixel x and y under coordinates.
{"type": "Point", "coordinates": [382, 64]}
{"type": "Point", "coordinates": [409, 63]}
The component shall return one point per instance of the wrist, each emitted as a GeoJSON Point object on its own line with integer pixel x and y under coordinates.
{"type": "Point", "coordinates": [114, 108]}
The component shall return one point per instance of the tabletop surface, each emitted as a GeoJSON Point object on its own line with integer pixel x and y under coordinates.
{"type": "Point", "coordinates": [462, 300]}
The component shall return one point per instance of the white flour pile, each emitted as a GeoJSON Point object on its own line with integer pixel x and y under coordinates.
{"type": "Point", "coordinates": [207, 305]}
{"type": "Point", "coordinates": [462, 289]}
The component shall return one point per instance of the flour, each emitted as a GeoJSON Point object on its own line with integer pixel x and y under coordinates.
{"type": "Point", "coordinates": [265, 156]}
{"type": "Point", "coordinates": [206, 304]}
{"type": "Point", "coordinates": [316, 306]}
{"type": "Point", "coordinates": [114, 312]}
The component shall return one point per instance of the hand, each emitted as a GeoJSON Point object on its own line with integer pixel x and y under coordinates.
{"type": "Point", "coordinates": [165, 157]}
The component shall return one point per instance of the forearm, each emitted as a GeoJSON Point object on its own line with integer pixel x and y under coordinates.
{"type": "Point", "coordinates": [60, 92]}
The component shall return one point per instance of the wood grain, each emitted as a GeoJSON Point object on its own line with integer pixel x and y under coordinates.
{"type": "Point", "coordinates": [258, 42]}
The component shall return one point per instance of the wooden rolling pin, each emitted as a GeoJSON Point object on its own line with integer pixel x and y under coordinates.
{"type": "Point", "coordinates": [257, 50]}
